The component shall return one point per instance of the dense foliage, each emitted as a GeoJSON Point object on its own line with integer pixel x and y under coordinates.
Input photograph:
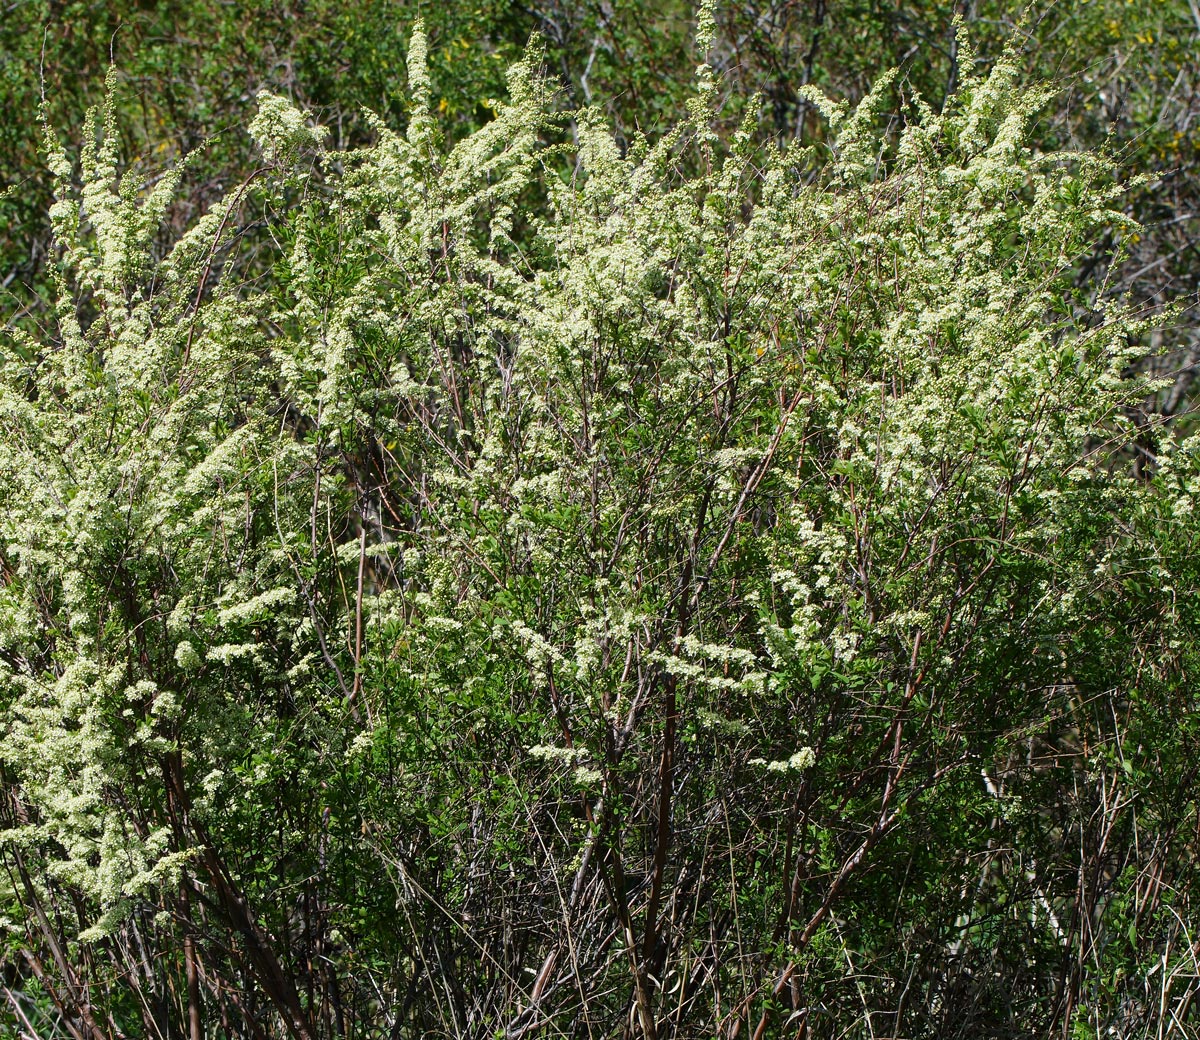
{"type": "Point", "coordinates": [518, 577]}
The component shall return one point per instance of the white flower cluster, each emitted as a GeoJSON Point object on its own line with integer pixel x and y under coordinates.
{"type": "Point", "coordinates": [803, 759]}
{"type": "Point", "coordinates": [281, 130]}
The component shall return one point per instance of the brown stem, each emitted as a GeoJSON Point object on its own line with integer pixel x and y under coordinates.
{"type": "Point", "coordinates": [195, 1028]}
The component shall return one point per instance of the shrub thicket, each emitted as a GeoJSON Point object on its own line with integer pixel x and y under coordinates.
{"type": "Point", "coordinates": [679, 589]}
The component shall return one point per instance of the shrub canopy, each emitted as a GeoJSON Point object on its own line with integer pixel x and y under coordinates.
{"type": "Point", "coordinates": [688, 588]}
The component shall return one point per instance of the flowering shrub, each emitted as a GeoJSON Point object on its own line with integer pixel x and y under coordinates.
{"type": "Point", "coordinates": [693, 590]}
